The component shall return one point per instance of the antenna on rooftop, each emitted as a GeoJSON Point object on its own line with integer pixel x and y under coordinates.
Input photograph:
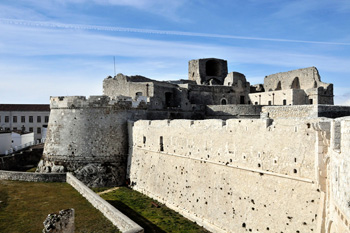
{"type": "Point", "coordinates": [114, 65]}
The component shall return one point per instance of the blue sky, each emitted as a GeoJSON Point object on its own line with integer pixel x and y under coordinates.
{"type": "Point", "coordinates": [66, 47]}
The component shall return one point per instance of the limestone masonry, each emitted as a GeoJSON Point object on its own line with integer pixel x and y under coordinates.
{"type": "Point", "coordinates": [233, 157]}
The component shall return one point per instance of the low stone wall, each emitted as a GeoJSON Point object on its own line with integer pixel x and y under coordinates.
{"type": "Point", "coordinates": [333, 111]}
{"type": "Point", "coordinates": [32, 177]}
{"type": "Point", "coordinates": [233, 111]}
{"type": "Point", "coordinates": [291, 111]}
{"type": "Point", "coordinates": [121, 221]}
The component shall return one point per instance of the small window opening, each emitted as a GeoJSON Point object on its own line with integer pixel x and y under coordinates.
{"type": "Point", "coordinates": [256, 103]}
{"type": "Point", "coordinates": [242, 99]}
{"type": "Point", "coordinates": [284, 102]}
{"type": "Point", "coordinates": [279, 86]}
{"type": "Point", "coordinates": [168, 99]}
{"type": "Point", "coordinates": [270, 102]}
{"type": "Point", "coordinates": [223, 102]}
{"type": "Point", "coordinates": [295, 171]}
{"type": "Point", "coordinates": [161, 143]}
{"type": "Point", "coordinates": [311, 101]}
{"type": "Point", "coordinates": [144, 140]}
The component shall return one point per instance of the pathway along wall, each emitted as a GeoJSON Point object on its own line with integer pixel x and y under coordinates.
{"type": "Point", "coordinates": [231, 176]}
{"type": "Point", "coordinates": [89, 138]}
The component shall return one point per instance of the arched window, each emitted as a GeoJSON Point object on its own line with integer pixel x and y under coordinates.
{"type": "Point", "coordinates": [295, 83]}
{"type": "Point", "coordinates": [223, 101]}
{"type": "Point", "coordinates": [279, 87]}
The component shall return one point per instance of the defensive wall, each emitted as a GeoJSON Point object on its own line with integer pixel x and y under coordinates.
{"type": "Point", "coordinates": [197, 168]}
{"type": "Point", "coordinates": [338, 165]}
{"type": "Point", "coordinates": [232, 111]}
{"type": "Point", "coordinates": [88, 136]}
{"type": "Point", "coordinates": [306, 111]}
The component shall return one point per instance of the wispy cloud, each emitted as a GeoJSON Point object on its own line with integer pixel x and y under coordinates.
{"type": "Point", "coordinates": [161, 32]}
{"type": "Point", "coordinates": [59, 39]}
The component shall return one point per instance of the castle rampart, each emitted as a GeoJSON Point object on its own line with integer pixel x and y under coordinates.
{"type": "Point", "coordinates": [247, 167]}
{"type": "Point", "coordinates": [88, 137]}
{"type": "Point", "coordinates": [201, 176]}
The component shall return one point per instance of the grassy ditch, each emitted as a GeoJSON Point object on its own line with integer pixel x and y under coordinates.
{"type": "Point", "coordinates": [148, 213]}
{"type": "Point", "coordinates": [25, 205]}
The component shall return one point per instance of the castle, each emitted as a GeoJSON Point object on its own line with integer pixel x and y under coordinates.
{"type": "Point", "coordinates": [231, 156]}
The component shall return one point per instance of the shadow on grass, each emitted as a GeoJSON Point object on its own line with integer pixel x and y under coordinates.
{"type": "Point", "coordinates": [143, 222]}
{"type": "Point", "coordinates": [3, 199]}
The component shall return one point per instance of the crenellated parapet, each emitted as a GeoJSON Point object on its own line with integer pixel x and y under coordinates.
{"type": "Point", "coordinates": [98, 101]}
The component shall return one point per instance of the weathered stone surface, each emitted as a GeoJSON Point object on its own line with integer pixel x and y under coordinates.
{"type": "Point", "coordinates": [228, 174]}
{"type": "Point", "coordinates": [63, 222]}
{"type": "Point", "coordinates": [277, 173]}
{"type": "Point", "coordinates": [32, 177]}
{"type": "Point", "coordinates": [101, 175]}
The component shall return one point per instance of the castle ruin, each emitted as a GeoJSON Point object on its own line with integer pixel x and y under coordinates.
{"type": "Point", "coordinates": [229, 155]}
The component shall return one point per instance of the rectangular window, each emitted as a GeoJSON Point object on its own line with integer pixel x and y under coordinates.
{"type": "Point", "coordinates": [30, 129]}
{"type": "Point", "coordinates": [7, 118]}
{"type": "Point", "coordinates": [31, 119]}
{"type": "Point", "coordinates": [242, 99]}
{"type": "Point", "coordinates": [38, 119]}
{"type": "Point", "coordinates": [7, 129]}
{"type": "Point", "coordinates": [14, 119]}
{"type": "Point", "coordinates": [284, 102]}
{"type": "Point", "coordinates": [23, 119]}
{"type": "Point", "coordinates": [270, 102]}
{"type": "Point", "coordinates": [311, 101]}
{"type": "Point", "coordinates": [161, 143]}
{"type": "Point", "coordinates": [14, 128]}
{"type": "Point", "coordinates": [46, 119]}
{"type": "Point", "coordinates": [38, 130]}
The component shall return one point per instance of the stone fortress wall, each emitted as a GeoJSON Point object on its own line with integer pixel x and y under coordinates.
{"type": "Point", "coordinates": [88, 136]}
{"type": "Point", "coordinates": [296, 87]}
{"type": "Point", "coordinates": [248, 167]}
{"type": "Point", "coordinates": [227, 181]}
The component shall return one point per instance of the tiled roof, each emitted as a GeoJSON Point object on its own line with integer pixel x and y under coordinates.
{"type": "Point", "coordinates": [25, 107]}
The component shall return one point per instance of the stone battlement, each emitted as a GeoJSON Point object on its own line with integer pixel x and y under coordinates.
{"type": "Point", "coordinates": [98, 101]}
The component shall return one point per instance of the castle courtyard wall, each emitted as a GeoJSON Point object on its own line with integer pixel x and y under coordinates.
{"type": "Point", "coordinates": [236, 175]}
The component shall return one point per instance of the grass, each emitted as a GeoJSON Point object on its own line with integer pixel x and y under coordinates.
{"type": "Point", "coordinates": [25, 205]}
{"type": "Point", "coordinates": [33, 169]}
{"type": "Point", "coordinates": [139, 208]}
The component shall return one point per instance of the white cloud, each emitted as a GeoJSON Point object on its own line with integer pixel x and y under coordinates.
{"type": "Point", "coordinates": [31, 41]}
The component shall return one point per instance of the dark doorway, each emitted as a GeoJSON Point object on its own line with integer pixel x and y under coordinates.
{"type": "Point", "coordinates": [223, 102]}
{"type": "Point", "coordinates": [168, 99]}
{"type": "Point", "coordinates": [212, 68]}
{"type": "Point", "coordinates": [242, 100]}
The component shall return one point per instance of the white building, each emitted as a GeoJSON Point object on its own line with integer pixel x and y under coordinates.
{"type": "Point", "coordinates": [24, 117]}
{"type": "Point", "coordinates": [5, 141]}
{"type": "Point", "coordinates": [14, 141]}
